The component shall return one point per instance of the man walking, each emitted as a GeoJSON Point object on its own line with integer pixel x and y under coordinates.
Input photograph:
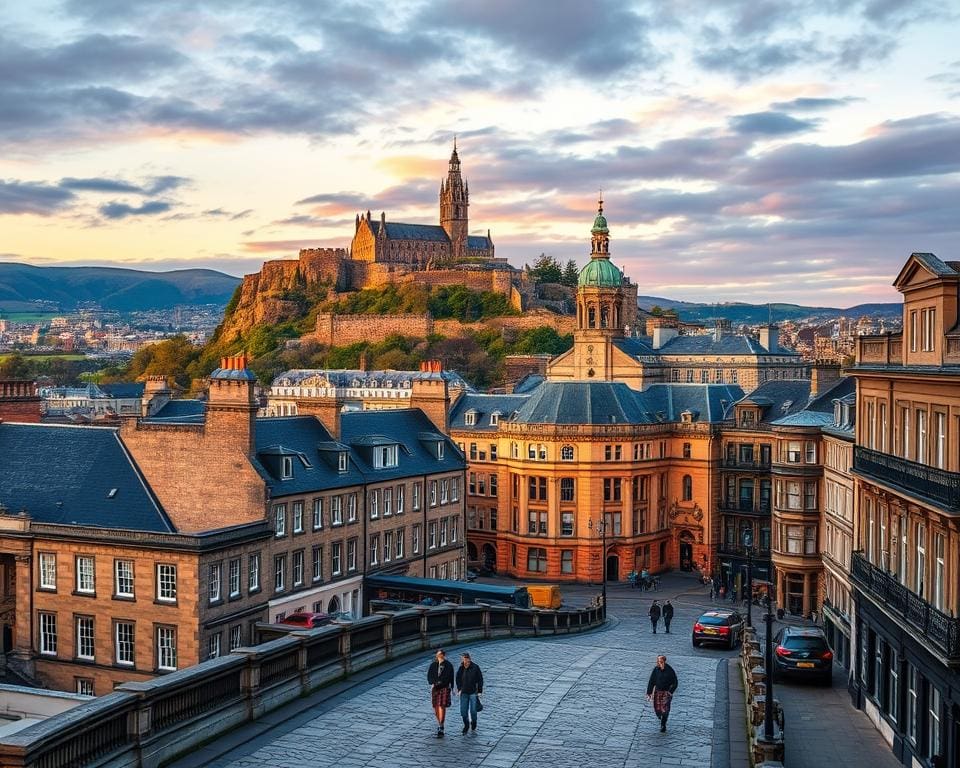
{"type": "Point", "coordinates": [655, 615]}
{"type": "Point", "coordinates": [661, 687]}
{"type": "Point", "coordinates": [667, 615]}
{"type": "Point", "coordinates": [469, 688]}
{"type": "Point", "coordinates": [440, 678]}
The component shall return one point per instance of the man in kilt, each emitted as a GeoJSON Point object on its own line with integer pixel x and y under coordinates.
{"type": "Point", "coordinates": [440, 678]}
{"type": "Point", "coordinates": [662, 684]}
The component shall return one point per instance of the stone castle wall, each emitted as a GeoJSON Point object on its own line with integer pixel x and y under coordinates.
{"type": "Point", "coordinates": [342, 330]}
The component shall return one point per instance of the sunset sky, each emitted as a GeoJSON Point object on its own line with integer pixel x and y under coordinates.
{"type": "Point", "coordinates": [747, 150]}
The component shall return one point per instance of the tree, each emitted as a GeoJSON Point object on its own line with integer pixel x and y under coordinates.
{"type": "Point", "coordinates": [570, 274]}
{"type": "Point", "coordinates": [546, 270]}
{"type": "Point", "coordinates": [15, 366]}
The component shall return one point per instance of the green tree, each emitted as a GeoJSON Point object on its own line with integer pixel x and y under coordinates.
{"type": "Point", "coordinates": [570, 274]}
{"type": "Point", "coordinates": [546, 269]}
{"type": "Point", "coordinates": [15, 366]}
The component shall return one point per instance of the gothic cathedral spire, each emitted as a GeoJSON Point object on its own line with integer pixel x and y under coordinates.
{"type": "Point", "coordinates": [454, 201]}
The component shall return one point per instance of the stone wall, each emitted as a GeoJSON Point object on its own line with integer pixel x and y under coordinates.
{"type": "Point", "coordinates": [19, 401]}
{"type": "Point", "coordinates": [342, 330]}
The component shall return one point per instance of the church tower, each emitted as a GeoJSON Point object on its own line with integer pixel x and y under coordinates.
{"type": "Point", "coordinates": [454, 201]}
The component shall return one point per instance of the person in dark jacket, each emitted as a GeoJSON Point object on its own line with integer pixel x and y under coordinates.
{"type": "Point", "coordinates": [440, 678]}
{"type": "Point", "coordinates": [655, 615]}
{"type": "Point", "coordinates": [469, 689]}
{"type": "Point", "coordinates": [660, 688]}
{"type": "Point", "coordinates": [667, 615]}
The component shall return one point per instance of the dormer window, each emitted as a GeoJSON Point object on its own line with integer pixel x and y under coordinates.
{"type": "Point", "coordinates": [385, 456]}
{"type": "Point", "coordinates": [286, 471]}
{"type": "Point", "coordinates": [494, 418]}
{"type": "Point", "coordinates": [342, 461]}
{"type": "Point", "coordinates": [470, 418]}
{"type": "Point", "coordinates": [439, 450]}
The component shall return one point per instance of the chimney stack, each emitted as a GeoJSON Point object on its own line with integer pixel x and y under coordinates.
{"type": "Point", "coordinates": [823, 374]}
{"type": "Point", "coordinates": [431, 394]}
{"type": "Point", "coordinates": [770, 338]}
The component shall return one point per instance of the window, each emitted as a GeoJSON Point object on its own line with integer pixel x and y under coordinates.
{"type": "Point", "coordinates": [352, 555]}
{"type": "Point", "coordinates": [454, 489]}
{"type": "Point", "coordinates": [317, 514]}
{"type": "Point", "coordinates": [400, 499]}
{"type": "Point", "coordinates": [443, 532]}
{"type": "Point", "coordinates": [444, 491]}
{"type": "Point", "coordinates": [84, 686]}
{"type": "Point", "coordinates": [166, 648]}
{"type": "Point", "coordinates": [566, 561]}
{"type": "Point", "coordinates": [336, 510]}
{"type": "Point", "coordinates": [213, 646]}
{"type": "Point", "coordinates": [279, 572]}
{"type": "Point", "coordinates": [793, 453]}
{"type": "Point", "coordinates": [374, 504]}
{"type": "Point", "coordinates": [48, 570]}
{"type": "Point", "coordinates": [123, 641]}
{"type": "Point", "coordinates": [810, 495]}
{"type": "Point", "coordinates": [687, 488]}
{"type": "Point", "coordinates": [537, 560]}
{"type": "Point", "coordinates": [940, 447]}
{"type": "Point", "coordinates": [536, 523]}
{"type": "Point", "coordinates": [913, 690]}
{"type": "Point", "coordinates": [810, 452]}
{"type": "Point", "coordinates": [566, 453]}
{"type": "Point", "coordinates": [298, 517]}
{"type": "Point", "coordinates": [335, 550]}
{"type": "Point", "coordinates": [387, 546]}
{"type": "Point", "coordinates": [810, 540]}
{"type": "Point", "coordinates": [914, 331]}
{"type": "Point", "coordinates": [287, 470]}
{"type": "Point", "coordinates": [494, 490]}
{"type": "Point", "coordinates": [317, 563]}
{"type": "Point", "coordinates": [537, 488]}
{"type": "Point", "coordinates": [236, 637]}
{"type": "Point", "coordinates": [939, 571]}
{"type": "Point", "coordinates": [493, 450]}
{"type": "Point", "coordinates": [686, 450]}
{"type": "Point", "coordinates": [440, 450]}
{"type": "Point", "coordinates": [85, 579]}
{"type": "Point", "coordinates": [494, 420]}
{"type": "Point", "coordinates": [167, 582]}
{"type": "Point", "coordinates": [415, 543]}
{"type": "Point", "coordinates": [612, 489]}
{"type": "Point", "coordinates": [921, 558]}
{"type": "Point", "coordinates": [398, 552]}
{"type": "Point", "coordinates": [416, 496]}
{"type": "Point", "coordinates": [280, 518]}
{"type": "Point", "coordinates": [374, 549]}
{"type": "Point", "coordinates": [929, 326]}
{"type": "Point", "coordinates": [566, 489]}
{"type": "Point", "coordinates": [893, 690]}
{"type": "Point", "coordinates": [385, 456]}
{"type": "Point", "coordinates": [433, 493]}
{"type": "Point", "coordinates": [85, 644]}
{"type": "Point", "coordinates": [934, 705]}
{"type": "Point", "coordinates": [432, 534]}
{"type": "Point", "coordinates": [566, 524]}
{"type": "Point", "coordinates": [343, 461]}
{"type": "Point", "coordinates": [123, 578]}
{"type": "Point", "coordinates": [48, 634]}
{"type": "Point", "coordinates": [795, 539]}
{"type": "Point", "coordinates": [253, 573]}
{"type": "Point", "coordinates": [216, 571]}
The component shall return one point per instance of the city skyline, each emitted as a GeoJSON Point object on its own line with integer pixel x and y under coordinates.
{"type": "Point", "coordinates": [182, 135]}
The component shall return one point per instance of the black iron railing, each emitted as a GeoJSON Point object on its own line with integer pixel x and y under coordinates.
{"type": "Point", "coordinates": [939, 630]}
{"type": "Point", "coordinates": [740, 551]}
{"type": "Point", "coordinates": [744, 507]}
{"type": "Point", "coordinates": [929, 483]}
{"type": "Point", "coordinates": [745, 466]}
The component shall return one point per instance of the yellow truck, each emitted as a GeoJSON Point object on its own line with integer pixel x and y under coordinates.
{"type": "Point", "coordinates": [545, 595]}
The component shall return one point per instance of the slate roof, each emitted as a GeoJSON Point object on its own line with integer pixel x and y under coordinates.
{"type": "Point", "coordinates": [528, 383]}
{"type": "Point", "coordinates": [779, 397]}
{"type": "Point", "coordinates": [702, 344]}
{"type": "Point", "coordinates": [181, 412]}
{"type": "Point", "coordinates": [935, 264]}
{"type": "Point", "coordinates": [406, 426]}
{"type": "Point", "coordinates": [484, 405]}
{"type": "Point", "coordinates": [65, 475]}
{"type": "Point", "coordinates": [707, 402]}
{"type": "Point", "coordinates": [400, 231]}
{"type": "Point", "coordinates": [583, 402]}
{"type": "Point", "coordinates": [478, 241]}
{"type": "Point", "coordinates": [347, 377]}
{"type": "Point", "coordinates": [123, 389]}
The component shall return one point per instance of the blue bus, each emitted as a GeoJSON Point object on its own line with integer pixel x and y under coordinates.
{"type": "Point", "coordinates": [387, 591]}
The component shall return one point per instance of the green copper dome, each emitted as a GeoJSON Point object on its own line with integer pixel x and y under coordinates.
{"type": "Point", "coordinates": [600, 224]}
{"type": "Point", "coordinates": [600, 273]}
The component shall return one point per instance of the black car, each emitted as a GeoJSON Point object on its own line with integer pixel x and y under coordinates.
{"type": "Point", "coordinates": [718, 627]}
{"type": "Point", "coordinates": [803, 652]}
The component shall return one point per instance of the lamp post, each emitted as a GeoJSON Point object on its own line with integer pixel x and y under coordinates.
{"type": "Point", "coordinates": [601, 528]}
{"type": "Point", "coordinates": [748, 545]}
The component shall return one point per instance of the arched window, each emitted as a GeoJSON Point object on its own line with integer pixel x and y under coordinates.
{"type": "Point", "coordinates": [604, 317]}
{"type": "Point", "coordinates": [566, 453]}
{"type": "Point", "coordinates": [687, 488]}
{"type": "Point", "coordinates": [686, 450]}
{"type": "Point", "coordinates": [592, 317]}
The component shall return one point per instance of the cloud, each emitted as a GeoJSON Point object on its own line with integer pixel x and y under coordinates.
{"type": "Point", "coordinates": [18, 197]}
{"type": "Point", "coordinates": [153, 186]}
{"type": "Point", "coordinates": [770, 124]}
{"type": "Point", "coordinates": [809, 104]}
{"type": "Point", "coordinates": [123, 211]}
{"type": "Point", "coordinates": [219, 213]}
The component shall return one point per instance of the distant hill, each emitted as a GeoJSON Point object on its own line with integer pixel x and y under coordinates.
{"type": "Point", "coordinates": [741, 312]}
{"type": "Point", "coordinates": [122, 290]}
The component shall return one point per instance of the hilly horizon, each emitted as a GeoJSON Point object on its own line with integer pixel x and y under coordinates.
{"type": "Point", "coordinates": [744, 312]}
{"type": "Point", "coordinates": [113, 288]}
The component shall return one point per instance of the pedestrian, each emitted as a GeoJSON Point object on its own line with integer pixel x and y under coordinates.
{"type": "Point", "coordinates": [661, 687]}
{"type": "Point", "coordinates": [655, 615]}
{"type": "Point", "coordinates": [667, 615]}
{"type": "Point", "coordinates": [723, 592]}
{"type": "Point", "coordinates": [469, 689]}
{"type": "Point", "coordinates": [440, 677]}
{"type": "Point", "coordinates": [713, 590]}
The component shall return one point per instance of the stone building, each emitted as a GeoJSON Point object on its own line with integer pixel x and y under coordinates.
{"type": "Point", "coordinates": [906, 467]}
{"type": "Point", "coordinates": [426, 246]}
{"type": "Point", "coordinates": [134, 551]}
{"type": "Point", "coordinates": [19, 401]}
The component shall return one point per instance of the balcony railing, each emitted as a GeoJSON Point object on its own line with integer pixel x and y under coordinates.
{"type": "Point", "coordinates": [741, 551]}
{"type": "Point", "coordinates": [938, 629]}
{"type": "Point", "coordinates": [745, 466]}
{"type": "Point", "coordinates": [743, 507]}
{"type": "Point", "coordinates": [882, 350]}
{"type": "Point", "coordinates": [929, 483]}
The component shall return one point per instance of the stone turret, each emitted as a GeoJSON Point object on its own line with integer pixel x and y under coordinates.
{"type": "Point", "coordinates": [454, 205]}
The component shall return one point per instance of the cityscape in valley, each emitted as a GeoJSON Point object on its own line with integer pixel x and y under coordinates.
{"type": "Point", "coordinates": [261, 462]}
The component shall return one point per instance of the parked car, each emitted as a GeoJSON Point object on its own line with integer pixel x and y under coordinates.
{"type": "Point", "coordinates": [307, 620]}
{"type": "Point", "coordinates": [803, 652]}
{"type": "Point", "coordinates": [718, 626]}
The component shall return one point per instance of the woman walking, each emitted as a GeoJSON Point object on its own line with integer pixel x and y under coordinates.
{"type": "Point", "coordinates": [440, 678]}
{"type": "Point", "coordinates": [661, 687]}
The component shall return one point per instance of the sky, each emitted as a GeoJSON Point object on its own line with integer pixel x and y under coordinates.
{"type": "Point", "coordinates": [747, 150]}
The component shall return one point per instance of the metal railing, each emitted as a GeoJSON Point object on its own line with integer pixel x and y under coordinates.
{"type": "Point", "coordinates": [942, 632]}
{"type": "Point", "coordinates": [746, 466]}
{"type": "Point", "coordinates": [742, 507]}
{"type": "Point", "coordinates": [152, 722]}
{"type": "Point", "coordinates": [929, 483]}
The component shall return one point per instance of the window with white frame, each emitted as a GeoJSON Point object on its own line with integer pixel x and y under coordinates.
{"type": "Point", "coordinates": [234, 577]}
{"type": "Point", "coordinates": [287, 468]}
{"type": "Point", "coordinates": [216, 572]}
{"type": "Point", "coordinates": [374, 504]}
{"type": "Point", "coordinates": [279, 573]}
{"type": "Point", "coordinates": [440, 450]}
{"type": "Point", "coordinates": [298, 568]}
{"type": "Point", "coordinates": [913, 693]}
{"type": "Point", "coordinates": [387, 502]}
{"type": "Point", "coordinates": [213, 646]}
{"type": "Point", "coordinates": [85, 575]}
{"type": "Point", "coordinates": [934, 731]}
{"type": "Point", "coordinates": [433, 493]}
{"type": "Point", "coordinates": [398, 552]}
{"type": "Point", "coordinates": [374, 549]}
{"type": "Point", "coordinates": [298, 517]}
{"type": "Point", "coordinates": [940, 447]}
{"type": "Point", "coordinates": [318, 563]}
{"type": "Point", "coordinates": [470, 418]}
{"type": "Point", "coordinates": [352, 508]}
{"type": "Point", "coordinates": [336, 510]}
{"type": "Point", "coordinates": [123, 578]}
{"type": "Point", "coordinates": [454, 489]}
{"type": "Point", "coordinates": [343, 461]}
{"type": "Point", "coordinates": [385, 456]}
{"type": "Point", "coordinates": [85, 686]}
{"type": "Point", "coordinates": [939, 571]}
{"type": "Point", "coordinates": [253, 573]}
{"type": "Point", "coordinates": [335, 554]}
{"type": "Point", "coordinates": [48, 634]}
{"type": "Point", "coordinates": [236, 637]}
{"type": "Point", "coordinates": [387, 546]}
{"type": "Point", "coordinates": [123, 642]}
{"type": "Point", "coordinates": [416, 496]}
{"type": "Point", "coordinates": [432, 533]}
{"type": "Point", "coordinates": [351, 555]}
{"type": "Point", "coordinates": [317, 513]}
{"type": "Point", "coordinates": [166, 582]}
{"type": "Point", "coordinates": [280, 519]}
{"type": "Point", "coordinates": [167, 648]}
{"type": "Point", "coordinates": [85, 638]}
{"type": "Point", "coordinates": [415, 539]}
{"type": "Point", "coordinates": [48, 570]}
{"type": "Point", "coordinates": [400, 490]}
{"type": "Point", "coordinates": [920, 559]}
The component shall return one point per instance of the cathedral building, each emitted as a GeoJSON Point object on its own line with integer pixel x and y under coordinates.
{"type": "Point", "coordinates": [426, 246]}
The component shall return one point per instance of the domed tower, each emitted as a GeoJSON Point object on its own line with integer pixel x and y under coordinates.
{"type": "Point", "coordinates": [454, 202]}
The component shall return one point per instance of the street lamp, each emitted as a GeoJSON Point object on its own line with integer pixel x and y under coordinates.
{"type": "Point", "coordinates": [748, 545]}
{"type": "Point", "coordinates": [602, 530]}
